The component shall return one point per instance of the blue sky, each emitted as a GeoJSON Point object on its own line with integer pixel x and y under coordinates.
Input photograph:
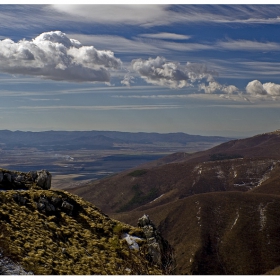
{"type": "Point", "coordinates": [198, 69]}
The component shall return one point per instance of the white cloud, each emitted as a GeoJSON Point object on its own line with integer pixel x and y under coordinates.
{"type": "Point", "coordinates": [230, 92]}
{"type": "Point", "coordinates": [127, 80]}
{"type": "Point", "coordinates": [211, 88]}
{"type": "Point", "coordinates": [247, 45]}
{"type": "Point", "coordinates": [257, 89]}
{"type": "Point", "coordinates": [272, 89]}
{"type": "Point", "coordinates": [152, 15]}
{"type": "Point", "coordinates": [158, 96]}
{"type": "Point", "coordinates": [52, 55]}
{"type": "Point", "coordinates": [114, 14]}
{"type": "Point", "coordinates": [165, 35]}
{"type": "Point", "coordinates": [160, 72]}
{"type": "Point", "coordinates": [102, 107]}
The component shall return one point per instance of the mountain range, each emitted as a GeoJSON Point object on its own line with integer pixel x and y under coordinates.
{"type": "Point", "coordinates": [218, 208]}
{"type": "Point", "coordinates": [70, 140]}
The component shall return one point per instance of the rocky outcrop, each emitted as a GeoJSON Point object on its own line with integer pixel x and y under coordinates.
{"type": "Point", "coordinates": [160, 252]}
{"type": "Point", "coordinates": [8, 267]}
{"type": "Point", "coordinates": [14, 180]}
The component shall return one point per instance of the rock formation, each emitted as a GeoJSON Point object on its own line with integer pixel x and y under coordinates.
{"type": "Point", "coordinates": [14, 180]}
{"type": "Point", "coordinates": [160, 252]}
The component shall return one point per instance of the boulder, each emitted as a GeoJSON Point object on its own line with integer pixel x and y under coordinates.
{"type": "Point", "coordinates": [144, 221]}
{"type": "Point", "coordinates": [43, 179]}
{"type": "Point", "coordinates": [45, 206]}
{"type": "Point", "coordinates": [67, 207]}
{"type": "Point", "coordinates": [21, 200]}
{"type": "Point", "coordinates": [8, 176]}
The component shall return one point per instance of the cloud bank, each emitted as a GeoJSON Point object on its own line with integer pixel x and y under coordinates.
{"type": "Point", "coordinates": [257, 89]}
{"type": "Point", "coordinates": [52, 55]}
{"type": "Point", "coordinates": [160, 72]}
{"type": "Point", "coordinates": [214, 86]}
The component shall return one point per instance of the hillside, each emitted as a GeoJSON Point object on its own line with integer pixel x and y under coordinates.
{"type": "Point", "coordinates": [147, 188]}
{"type": "Point", "coordinates": [230, 233]}
{"type": "Point", "coordinates": [218, 208]}
{"type": "Point", "coordinates": [53, 232]}
{"type": "Point", "coordinates": [264, 145]}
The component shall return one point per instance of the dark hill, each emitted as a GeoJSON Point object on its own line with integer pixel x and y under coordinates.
{"type": "Point", "coordinates": [219, 208]}
{"type": "Point", "coordinates": [230, 233]}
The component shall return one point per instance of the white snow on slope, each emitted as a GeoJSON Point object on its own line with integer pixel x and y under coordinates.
{"type": "Point", "coordinates": [131, 241]}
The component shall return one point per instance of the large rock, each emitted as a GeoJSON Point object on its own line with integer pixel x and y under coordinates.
{"type": "Point", "coordinates": [159, 250]}
{"type": "Point", "coordinates": [43, 179]}
{"type": "Point", "coordinates": [15, 180]}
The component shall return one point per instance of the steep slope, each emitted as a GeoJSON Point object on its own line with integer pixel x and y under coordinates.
{"type": "Point", "coordinates": [46, 231]}
{"type": "Point", "coordinates": [264, 145]}
{"type": "Point", "coordinates": [220, 233]}
{"type": "Point", "coordinates": [148, 188]}
{"type": "Point", "coordinates": [218, 208]}
{"type": "Point", "coordinates": [45, 237]}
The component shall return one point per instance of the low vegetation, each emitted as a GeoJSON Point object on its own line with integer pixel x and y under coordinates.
{"type": "Point", "coordinates": [139, 198]}
{"type": "Point", "coordinates": [86, 242]}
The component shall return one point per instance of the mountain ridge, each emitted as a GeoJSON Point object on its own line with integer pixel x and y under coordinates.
{"type": "Point", "coordinates": [218, 208]}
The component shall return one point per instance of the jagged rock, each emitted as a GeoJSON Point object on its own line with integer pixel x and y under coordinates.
{"type": "Point", "coordinates": [8, 176]}
{"type": "Point", "coordinates": [20, 199]}
{"type": "Point", "coordinates": [144, 221]}
{"type": "Point", "coordinates": [43, 179]}
{"type": "Point", "coordinates": [8, 267]}
{"type": "Point", "coordinates": [40, 206]}
{"type": "Point", "coordinates": [14, 180]}
{"type": "Point", "coordinates": [159, 250]}
{"type": "Point", "coordinates": [68, 207]}
{"type": "Point", "coordinates": [155, 252]}
{"type": "Point", "coordinates": [44, 204]}
{"type": "Point", "coordinates": [56, 201]}
{"type": "Point", "coordinates": [32, 174]}
{"type": "Point", "coordinates": [152, 238]}
{"type": "Point", "coordinates": [149, 231]}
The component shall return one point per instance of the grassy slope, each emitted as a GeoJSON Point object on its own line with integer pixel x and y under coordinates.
{"type": "Point", "coordinates": [87, 242]}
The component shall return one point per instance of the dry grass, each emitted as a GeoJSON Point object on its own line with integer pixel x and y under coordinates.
{"type": "Point", "coordinates": [88, 242]}
{"type": "Point", "coordinates": [231, 233]}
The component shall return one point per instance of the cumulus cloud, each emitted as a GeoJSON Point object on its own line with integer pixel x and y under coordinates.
{"type": "Point", "coordinates": [128, 80]}
{"type": "Point", "coordinates": [52, 55]}
{"type": "Point", "coordinates": [158, 71]}
{"type": "Point", "coordinates": [257, 89]}
{"type": "Point", "coordinates": [215, 87]}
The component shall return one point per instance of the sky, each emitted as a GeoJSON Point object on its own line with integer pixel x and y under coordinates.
{"type": "Point", "coordinates": [207, 69]}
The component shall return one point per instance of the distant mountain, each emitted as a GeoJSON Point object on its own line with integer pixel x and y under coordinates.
{"type": "Point", "coordinates": [67, 140]}
{"type": "Point", "coordinates": [218, 208]}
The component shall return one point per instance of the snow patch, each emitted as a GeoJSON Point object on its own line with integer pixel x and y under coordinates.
{"type": "Point", "coordinates": [157, 198]}
{"type": "Point", "coordinates": [131, 241]}
{"type": "Point", "coordinates": [220, 173]}
{"type": "Point", "coordinates": [262, 210]}
{"type": "Point", "coordinates": [236, 219]}
{"type": "Point", "coordinates": [198, 213]}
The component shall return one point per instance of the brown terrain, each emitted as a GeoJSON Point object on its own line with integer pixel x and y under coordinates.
{"type": "Point", "coordinates": [218, 208]}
